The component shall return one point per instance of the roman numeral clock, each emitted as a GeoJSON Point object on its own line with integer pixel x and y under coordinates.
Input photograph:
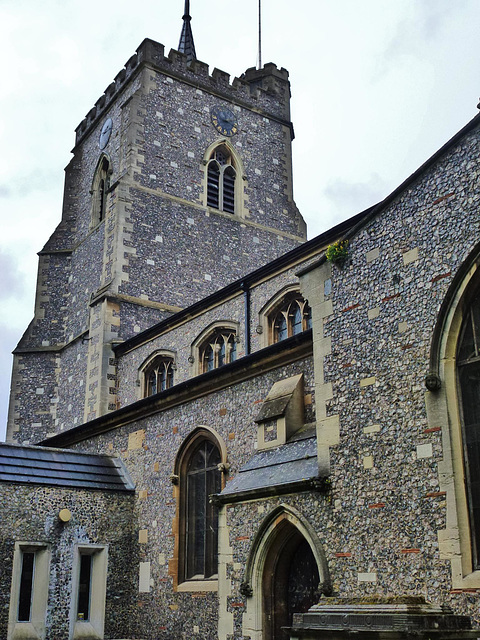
{"type": "Point", "coordinates": [224, 121]}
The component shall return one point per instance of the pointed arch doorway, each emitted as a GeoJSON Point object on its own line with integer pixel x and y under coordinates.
{"type": "Point", "coordinates": [286, 570]}
{"type": "Point", "coordinates": [289, 584]}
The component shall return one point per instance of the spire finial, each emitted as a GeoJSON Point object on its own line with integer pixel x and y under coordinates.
{"type": "Point", "coordinates": [186, 44]}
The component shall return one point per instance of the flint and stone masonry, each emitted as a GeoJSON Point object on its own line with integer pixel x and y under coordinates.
{"type": "Point", "coordinates": [361, 513]}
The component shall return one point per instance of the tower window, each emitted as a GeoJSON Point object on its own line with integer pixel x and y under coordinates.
{"type": "Point", "coordinates": [101, 200]}
{"type": "Point", "coordinates": [100, 186]}
{"type": "Point", "coordinates": [221, 176]}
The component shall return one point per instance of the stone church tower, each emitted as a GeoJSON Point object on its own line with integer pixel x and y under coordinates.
{"type": "Point", "coordinates": [180, 182]}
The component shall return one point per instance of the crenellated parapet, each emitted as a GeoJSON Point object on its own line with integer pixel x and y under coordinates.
{"type": "Point", "coordinates": [266, 89]}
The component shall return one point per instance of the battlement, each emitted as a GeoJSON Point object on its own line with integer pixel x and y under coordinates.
{"type": "Point", "coordinates": [267, 89]}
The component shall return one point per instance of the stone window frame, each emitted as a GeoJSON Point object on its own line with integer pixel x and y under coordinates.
{"type": "Point", "coordinates": [94, 626]}
{"type": "Point", "coordinates": [236, 163]}
{"type": "Point", "coordinates": [443, 404]}
{"type": "Point", "coordinates": [35, 627]}
{"type": "Point", "coordinates": [278, 304]}
{"type": "Point", "coordinates": [188, 447]}
{"type": "Point", "coordinates": [466, 366]}
{"type": "Point", "coordinates": [203, 341]}
{"type": "Point", "coordinates": [159, 356]}
{"type": "Point", "coordinates": [99, 190]}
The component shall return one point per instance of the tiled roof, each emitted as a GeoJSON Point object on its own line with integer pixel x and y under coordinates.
{"type": "Point", "coordinates": [62, 468]}
{"type": "Point", "coordinates": [285, 466]}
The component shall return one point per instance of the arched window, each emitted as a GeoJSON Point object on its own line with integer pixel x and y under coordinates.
{"type": "Point", "coordinates": [452, 401]}
{"type": "Point", "coordinates": [221, 176]}
{"type": "Point", "coordinates": [290, 318]}
{"type": "Point", "coordinates": [468, 375]}
{"type": "Point", "coordinates": [100, 186]}
{"type": "Point", "coordinates": [157, 373]}
{"type": "Point", "coordinates": [159, 376]}
{"type": "Point", "coordinates": [219, 348]}
{"type": "Point", "coordinates": [199, 476]}
{"type": "Point", "coordinates": [202, 478]}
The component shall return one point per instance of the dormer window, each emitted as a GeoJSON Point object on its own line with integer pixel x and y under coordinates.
{"type": "Point", "coordinates": [221, 176]}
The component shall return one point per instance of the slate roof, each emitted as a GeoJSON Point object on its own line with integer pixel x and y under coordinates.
{"type": "Point", "coordinates": [286, 466]}
{"type": "Point", "coordinates": [186, 44]}
{"type": "Point", "coordinates": [62, 468]}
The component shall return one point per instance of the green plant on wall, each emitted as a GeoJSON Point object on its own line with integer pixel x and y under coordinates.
{"type": "Point", "coordinates": [337, 252]}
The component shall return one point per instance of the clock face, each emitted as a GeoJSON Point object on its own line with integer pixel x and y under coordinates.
{"type": "Point", "coordinates": [105, 133]}
{"type": "Point", "coordinates": [224, 121]}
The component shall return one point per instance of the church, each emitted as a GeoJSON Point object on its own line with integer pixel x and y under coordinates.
{"type": "Point", "coordinates": [219, 430]}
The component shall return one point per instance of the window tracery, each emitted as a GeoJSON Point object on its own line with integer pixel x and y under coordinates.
{"type": "Point", "coordinates": [452, 403]}
{"type": "Point", "coordinates": [157, 374]}
{"type": "Point", "coordinates": [291, 317]}
{"type": "Point", "coordinates": [221, 177]}
{"type": "Point", "coordinates": [218, 349]}
{"type": "Point", "coordinates": [100, 187]}
{"type": "Point", "coordinates": [160, 376]}
{"type": "Point", "coordinates": [199, 472]}
{"type": "Point", "coordinates": [468, 375]}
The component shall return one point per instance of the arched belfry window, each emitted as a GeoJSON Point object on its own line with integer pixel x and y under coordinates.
{"type": "Point", "coordinates": [468, 372]}
{"type": "Point", "coordinates": [199, 476]}
{"type": "Point", "coordinates": [221, 177]}
{"type": "Point", "coordinates": [100, 187]}
{"type": "Point", "coordinates": [291, 317]}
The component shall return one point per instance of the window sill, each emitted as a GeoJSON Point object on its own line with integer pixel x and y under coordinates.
{"type": "Point", "coordinates": [469, 581]}
{"type": "Point", "coordinates": [198, 585]}
{"type": "Point", "coordinates": [24, 630]}
{"type": "Point", "coordinates": [85, 631]}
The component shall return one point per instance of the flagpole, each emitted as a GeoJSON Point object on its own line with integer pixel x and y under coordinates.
{"type": "Point", "coordinates": [259, 34]}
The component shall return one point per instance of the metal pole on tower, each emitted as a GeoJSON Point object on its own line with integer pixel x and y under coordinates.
{"type": "Point", "coordinates": [259, 34]}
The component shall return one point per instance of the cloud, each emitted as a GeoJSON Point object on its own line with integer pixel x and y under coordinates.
{"type": "Point", "coordinates": [434, 16]}
{"type": "Point", "coordinates": [12, 324]}
{"type": "Point", "coordinates": [423, 24]}
{"type": "Point", "coordinates": [7, 344]}
{"type": "Point", "coordinates": [355, 197]}
{"type": "Point", "coordinates": [12, 281]}
{"type": "Point", "coordinates": [27, 184]}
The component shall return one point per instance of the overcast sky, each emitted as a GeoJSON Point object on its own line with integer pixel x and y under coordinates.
{"type": "Point", "coordinates": [377, 87]}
